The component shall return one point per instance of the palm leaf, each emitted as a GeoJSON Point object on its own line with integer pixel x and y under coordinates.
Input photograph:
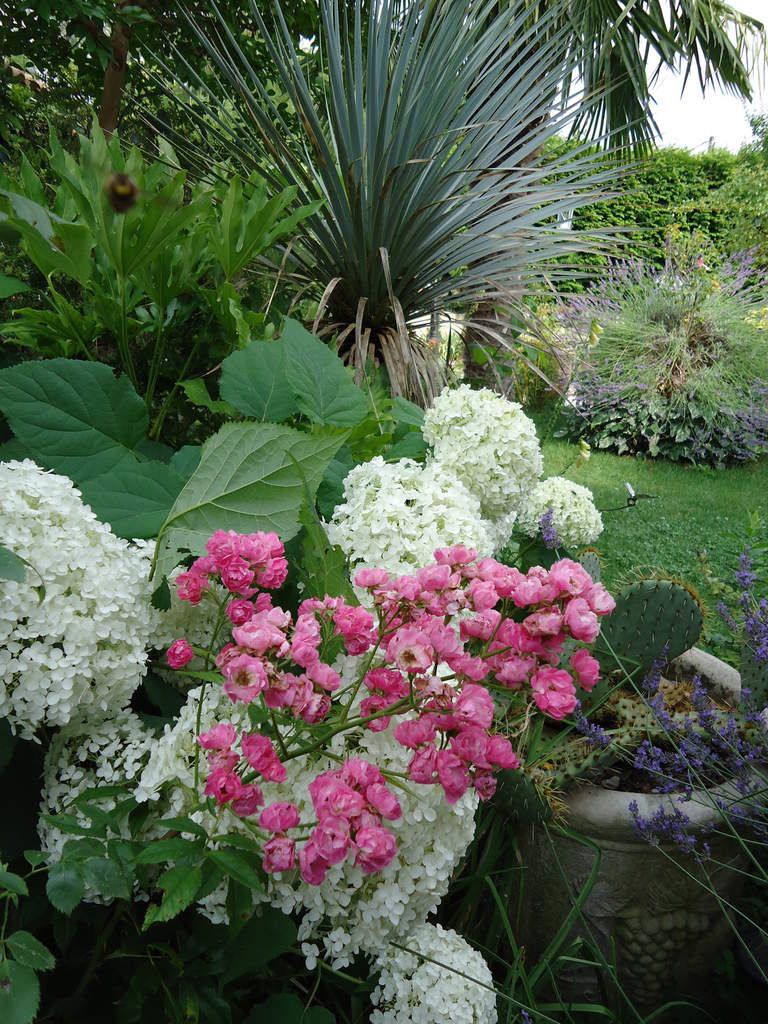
{"type": "Point", "coordinates": [424, 139]}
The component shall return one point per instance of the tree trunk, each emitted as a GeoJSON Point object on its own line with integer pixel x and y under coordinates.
{"type": "Point", "coordinates": [114, 77]}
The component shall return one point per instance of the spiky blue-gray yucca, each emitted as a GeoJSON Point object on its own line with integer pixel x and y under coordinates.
{"type": "Point", "coordinates": [424, 141]}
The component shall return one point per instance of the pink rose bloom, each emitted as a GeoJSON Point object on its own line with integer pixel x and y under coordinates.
{"type": "Point", "coordinates": [586, 668]}
{"type": "Point", "coordinates": [423, 765]}
{"type": "Point", "coordinates": [331, 839]}
{"type": "Point", "coordinates": [581, 621]}
{"type": "Point", "coordinates": [356, 626]}
{"type": "Point", "coordinates": [312, 866]}
{"type": "Point", "coordinates": [544, 622]}
{"type": "Point", "coordinates": [324, 676]}
{"type": "Point", "coordinates": [223, 785]}
{"type": "Point", "coordinates": [554, 692]}
{"type": "Point", "coordinates": [407, 588]}
{"type": "Point", "coordinates": [414, 732]}
{"type": "Point", "coordinates": [383, 800]}
{"type": "Point", "coordinates": [452, 774]}
{"type": "Point", "coordinates": [312, 707]}
{"type": "Point", "coordinates": [376, 847]}
{"type": "Point", "coordinates": [236, 575]}
{"type": "Point", "coordinates": [264, 632]}
{"type": "Point", "coordinates": [204, 566]}
{"type": "Point", "coordinates": [273, 575]}
{"type": "Point", "coordinates": [248, 801]}
{"type": "Point", "coordinates": [481, 626]}
{"type": "Point", "coordinates": [387, 681]}
{"type": "Point", "coordinates": [372, 706]}
{"type": "Point", "coordinates": [220, 737]}
{"type": "Point", "coordinates": [568, 577]}
{"type": "Point", "coordinates": [528, 590]}
{"type": "Point", "coordinates": [279, 855]}
{"type": "Point", "coordinates": [368, 579]}
{"type": "Point", "coordinates": [500, 753]}
{"type": "Point", "coordinates": [358, 772]}
{"type": "Point", "coordinates": [474, 706]}
{"type": "Point", "coordinates": [281, 690]}
{"type": "Point", "coordinates": [473, 668]}
{"type": "Point", "coordinates": [224, 544]}
{"type": "Point", "coordinates": [190, 586]}
{"type": "Point", "coordinates": [484, 784]}
{"type": "Point", "coordinates": [179, 654]}
{"type": "Point", "coordinates": [279, 817]}
{"type": "Point", "coordinates": [455, 556]}
{"type": "Point", "coordinates": [305, 641]}
{"type": "Point", "coordinates": [239, 611]}
{"type": "Point", "coordinates": [245, 678]}
{"type": "Point", "coordinates": [482, 595]}
{"type": "Point", "coordinates": [471, 746]}
{"type": "Point", "coordinates": [514, 670]}
{"type": "Point", "coordinates": [599, 600]}
{"type": "Point", "coordinates": [226, 759]}
{"type": "Point", "coordinates": [262, 603]}
{"type": "Point", "coordinates": [260, 754]}
{"type": "Point", "coordinates": [436, 577]}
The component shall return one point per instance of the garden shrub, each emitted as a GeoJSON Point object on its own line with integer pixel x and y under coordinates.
{"type": "Point", "coordinates": [679, 364]}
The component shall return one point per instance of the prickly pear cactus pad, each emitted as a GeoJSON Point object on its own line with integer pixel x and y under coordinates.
{"type": "Point", "coordinates": [652, 619]}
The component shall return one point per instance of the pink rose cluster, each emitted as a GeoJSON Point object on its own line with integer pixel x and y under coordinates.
{"type": "Point", "coordinates": [440, 643]}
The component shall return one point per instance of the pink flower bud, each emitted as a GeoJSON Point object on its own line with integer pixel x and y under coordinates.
{"type": "Point", "coordinates": [179, 654]}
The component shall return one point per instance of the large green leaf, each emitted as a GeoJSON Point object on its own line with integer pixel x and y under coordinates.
{"type": "Point", "coordinates": [287, 1008]}
{"type": "Point", "coordinates": [65, 887]}
{"type": "Point", "coordinates": [19, 993]}
{"type": "Point", "coordinates": [252, 476]}
{"type": "Point", "coordinates": [12, 286]}
{"type": "Point", "coordinates": [134, 498]}
{"type": "Point", "coordinates": [29, 951]}
{"type": "Point", "coordinates": [324, 387]}
{"type": "Point", "coordinates": [266, 936]}
{"type": "Point", "coordinates": [254, 381]}
{"type": "Point", "coordinates": [11, 566]}
{"type": "Point", "coordinates": [71, 416]}
{"type": "Point", "coordinates": [180, 886]}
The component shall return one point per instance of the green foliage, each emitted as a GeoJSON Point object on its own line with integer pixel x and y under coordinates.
{"type": "Point", "coordinates": [412, 220]}
{"type": "Point", "coordinates": [251, 477]}
{"type": "Point", "coordinates": [670, 189]}
{"type": "Point", "coordinates": [680, 368]}
{"type": "Point", "coordinates": [156, 289]}
{"type": "Point", "coordinates": [654, 619]}
{"type": "Point", "coordinates": [11, 566]}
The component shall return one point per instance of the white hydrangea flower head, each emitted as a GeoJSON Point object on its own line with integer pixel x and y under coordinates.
{"type": "Point", "coordinates": [80, 649]}
{"type": "Point", "coordinates": [349, 912]}
{"type": "Point", "coordinates": [396, 514]}
{"type": "Point", "coordinates": [488, 443]}
{"type": "Point", "coordinates": [82, 756]}
{"type": "Point", "coordinates": [415, 990]}
{"type": "Point", "coordinates": [575, 519]}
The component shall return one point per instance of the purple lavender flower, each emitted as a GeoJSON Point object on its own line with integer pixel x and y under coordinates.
{"type": "Point", "coordinates": [593, 733]}
{"type": "Point", "coordinates": [547, 529]}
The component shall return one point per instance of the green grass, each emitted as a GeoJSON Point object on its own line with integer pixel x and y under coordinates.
{"type": "Point", "coordinates": [693, 509]}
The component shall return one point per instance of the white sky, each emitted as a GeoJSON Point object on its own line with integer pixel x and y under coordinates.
{"type": "Point", "coordinates": [691, 120]}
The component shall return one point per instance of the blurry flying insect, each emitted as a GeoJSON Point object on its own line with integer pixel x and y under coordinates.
{"type": "Point", "coordinates": [122, 192]}
{"type": "Point", "coordinates": [632, 499]}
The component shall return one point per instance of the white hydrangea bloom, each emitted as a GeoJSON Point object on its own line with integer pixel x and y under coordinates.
{"type": "Point", "coordinates": [395, 515]}
{"type": "Point", "coordinates": [488, 443]}
{"type": "Point", "coordinates": [80, 650]}
{"type": "Point", "coordinates": [575, 519]}
{"type": "Point", "coordinates": [349, 912]}
{"type": "Point", "coordinates": [84, 755]}
{"type": "Point", "coordinates": [413, 990]}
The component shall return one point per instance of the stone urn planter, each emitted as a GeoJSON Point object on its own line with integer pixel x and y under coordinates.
{"type": "Point", "coordinates": [660, 926]}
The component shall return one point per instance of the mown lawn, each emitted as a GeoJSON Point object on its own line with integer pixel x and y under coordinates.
{"type": "Point", "coordinates": [693, 509]}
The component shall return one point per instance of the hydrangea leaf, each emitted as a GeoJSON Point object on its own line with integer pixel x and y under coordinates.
{"type": "Point", "coordinates": [288, 1009]}
{"type": "Point", "coordinates": [134, 498]}
{"type": "Point", "coordinates": [19, 993]}
{"type": "Point", "coordinates": [11, 566]}
{"type": "Point", "coordinates": [254, 381]}
{"type": "Point", "coordinates": [324, 387]}
{"type": "Point", "coordinates": [72, 416]}
{"type": "Point", "coordinates": [263, 938]}
{"type": "Point", "coordinates": [252, 476]}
